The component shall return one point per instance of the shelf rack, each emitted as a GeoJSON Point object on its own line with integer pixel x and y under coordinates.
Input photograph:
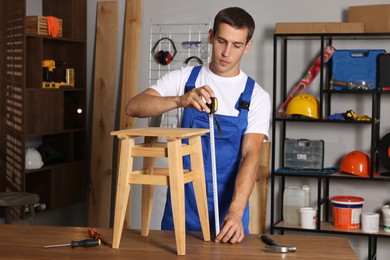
{"type": "Point", "coordinates": [280, 125]}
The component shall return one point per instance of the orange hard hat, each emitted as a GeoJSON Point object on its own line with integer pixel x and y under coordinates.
{"type": "Point", "coordinates": [356, 163]}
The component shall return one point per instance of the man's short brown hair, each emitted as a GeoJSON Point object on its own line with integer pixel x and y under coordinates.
{"type": "Point", "coordinates": [237, 18]}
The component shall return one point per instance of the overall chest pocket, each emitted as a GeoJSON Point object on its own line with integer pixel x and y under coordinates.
{"type": "Point", "coordinates": [227, 145]}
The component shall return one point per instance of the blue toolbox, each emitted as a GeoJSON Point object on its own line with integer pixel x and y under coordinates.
{"type": "Point", "coordinates": [355, 66]}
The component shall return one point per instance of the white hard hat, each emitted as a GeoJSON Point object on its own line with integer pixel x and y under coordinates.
{"type": "Point", "coordinates": [33, 159]}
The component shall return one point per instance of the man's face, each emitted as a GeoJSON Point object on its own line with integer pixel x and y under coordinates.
{"type": "Point", "coordinates": [229, 44]}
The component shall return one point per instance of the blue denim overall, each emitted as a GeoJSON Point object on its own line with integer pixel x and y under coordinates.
{"type": "Point", "coordinates": [228, 156]}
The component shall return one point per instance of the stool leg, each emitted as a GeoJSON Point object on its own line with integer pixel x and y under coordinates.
{"type": "Point", "coordinates": [200, 186]}
{"type": "Point", "coordinates": [8, 218]}
{"type": "Point", "coordinates": [147, 191]}
{"type": "Point", "coordinates": [123, 188]}
{"type": "Point", "coordinates": [147, 202]}
{"type": "Point", "coordinates": [32, 214]}
{"type": "Point", "coordinates": [176, 183]}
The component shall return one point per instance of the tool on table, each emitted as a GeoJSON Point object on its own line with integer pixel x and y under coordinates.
{"type": "Point", "coordinates": [309, 77]}
{"type": "Point", "coordinates": [48, 67]}
{"type": "Point", "coordinates": [361, 85]}
{"type": "Point", "coordinates": [275, 248]}
{"type": "Point", "coordinates": [94, 234]}
{"type": "Point", "coordinates": [82, 243]}
{"type": "Point", "coordinates": [213, 108]}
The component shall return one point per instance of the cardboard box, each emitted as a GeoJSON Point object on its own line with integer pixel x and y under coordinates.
{"type": "Point", "coordinates": [319, 27]}
{"type": "Point", "coordinates": [376, 18]}
{"type": "Point", "coordinates": [38, 25]}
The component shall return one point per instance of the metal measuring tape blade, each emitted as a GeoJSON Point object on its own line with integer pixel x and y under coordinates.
{"type": "Point", "coordinates": [213, 108]}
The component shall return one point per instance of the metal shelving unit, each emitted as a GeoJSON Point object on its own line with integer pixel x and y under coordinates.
{"type": "Point", "coordinates": [280, 128]}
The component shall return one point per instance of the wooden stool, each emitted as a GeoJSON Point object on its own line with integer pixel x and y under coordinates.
{"type": "Point", "coordinates": [175, 177]}
{"type": "Point", "coordinates": [15, 199]}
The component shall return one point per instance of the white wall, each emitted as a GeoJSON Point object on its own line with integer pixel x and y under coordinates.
{"type": "Point", "coordinates": [258, 64]}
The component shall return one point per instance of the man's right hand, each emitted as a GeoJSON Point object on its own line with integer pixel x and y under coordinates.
{"type": "Point", "coordinates": [197, 98]}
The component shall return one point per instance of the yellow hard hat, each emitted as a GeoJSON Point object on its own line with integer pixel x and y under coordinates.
{"type": "Point", "coordinates": [304, 105]}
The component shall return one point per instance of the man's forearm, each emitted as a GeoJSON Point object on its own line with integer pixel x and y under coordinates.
{"type": "Point", "coordinates": [247, 173]}
{"type": "Point", "coordinates": [243, 187]}
{"type": "Point", "coordinates": [149, 103]}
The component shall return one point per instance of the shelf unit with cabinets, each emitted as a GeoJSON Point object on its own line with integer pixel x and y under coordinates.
{"type": "Point", "coordinates": [326, 96]}
{"type": "Point", "coordinates": [50, 117]}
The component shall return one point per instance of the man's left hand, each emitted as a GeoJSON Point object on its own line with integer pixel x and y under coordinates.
{"type": "Point", "coordinates": [232, 229]}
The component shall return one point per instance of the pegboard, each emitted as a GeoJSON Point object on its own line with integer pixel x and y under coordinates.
{"type": "Point", "coordinates": [190, 40]}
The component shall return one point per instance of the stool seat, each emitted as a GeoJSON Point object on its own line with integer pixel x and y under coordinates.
{"type": "Point", "coordinates": [14, 199]}
{"type": "Point", "coordinates": [174, 176]}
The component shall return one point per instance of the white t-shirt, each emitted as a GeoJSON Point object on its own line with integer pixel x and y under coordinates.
{"type": "Point", "coordinates": [226, 89]}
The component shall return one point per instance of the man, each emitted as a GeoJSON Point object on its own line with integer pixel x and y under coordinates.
{"type": "Point", "coordinates": [243, 114]}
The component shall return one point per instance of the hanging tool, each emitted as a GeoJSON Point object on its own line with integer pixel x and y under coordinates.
{"type": "Point", "coordinates": [309, 77]}
{"type": "Point", "coordinates": [359, 85]}
{"type": "Point", "coordinates": [82, 243]}
{"type": "Point", "coordinates": [213, 108]}
{"type": "Point", "coordinates": [94, 234]}
{"type": "Point", "coordinates": [275, 248]}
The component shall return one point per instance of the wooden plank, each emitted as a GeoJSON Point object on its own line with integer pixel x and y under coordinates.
{"type": "Point", "coordinates": [103, 113]}
{"type": "Point", "coordinates": [258, 198]}
{"type": "Point", "coordinates": [131, 52]}
{"type": "Point", "coordinates": [131, 49]}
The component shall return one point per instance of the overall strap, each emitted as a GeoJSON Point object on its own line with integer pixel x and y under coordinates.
{"type": "Point", "coordinates": [190, 84]}
{"type": "Point", "coordinates": [244, 101]}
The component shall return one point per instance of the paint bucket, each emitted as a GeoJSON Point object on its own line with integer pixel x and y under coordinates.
{"type": "Point", "coordinates": [347, 211]}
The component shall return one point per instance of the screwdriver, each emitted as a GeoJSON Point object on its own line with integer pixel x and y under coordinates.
{"type": "Point", "coordinates": [93, 233]}
{"type": "Point", "coordinates": [82, 243]}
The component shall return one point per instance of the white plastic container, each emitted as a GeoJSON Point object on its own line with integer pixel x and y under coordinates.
{"type": "Point", "coordinates": [308, 217]}
{"type": "Point", "coordinates": [306, 188]}
{"type": "Point", "coordinates": [370, 222]}
{"type": "Point", "coordinates": [386, 217]}
{"type": "Point", "coordinates": [294, 199]}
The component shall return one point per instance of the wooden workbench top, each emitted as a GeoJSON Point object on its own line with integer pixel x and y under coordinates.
{"type": "Point", "coordinates": [26, 242]}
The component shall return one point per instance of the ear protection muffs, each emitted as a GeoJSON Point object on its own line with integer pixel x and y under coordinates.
{"type": "Point", "coordinates": [200, 62]}
{"type": "Point", "coordinates": [164, 57]}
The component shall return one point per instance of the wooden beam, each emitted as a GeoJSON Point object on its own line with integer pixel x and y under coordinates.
{"type": "Point", "coordinates": [131, 52]}
{"type": "Point", "coordinates": [103, 113]}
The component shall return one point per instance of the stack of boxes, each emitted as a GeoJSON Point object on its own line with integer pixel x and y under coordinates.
{"type": "Point", "coordinates": [361, 19]}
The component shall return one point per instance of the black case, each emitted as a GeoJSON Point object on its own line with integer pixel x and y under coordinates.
{"type": "Point", "coordinates": [383, 76]}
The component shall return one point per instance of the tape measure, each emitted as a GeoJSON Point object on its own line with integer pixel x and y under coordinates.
{"type": "Point", "coordinates": [213, 108]}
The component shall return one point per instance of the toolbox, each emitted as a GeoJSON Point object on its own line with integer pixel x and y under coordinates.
{"type": "Point", "coordinates": [383, 71]}
{"type": "Point", "coordinates": [355, 66]}
{"type": "Point", "coordinates": [303, 154]}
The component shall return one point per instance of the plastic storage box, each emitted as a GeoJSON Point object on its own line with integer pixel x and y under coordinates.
{"type": "Point", "coordinates": [383, 71]}
{"type": "Point", "coordinates": [355, 66]}
{"type": "Point", "coordinates": [303, 154]}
